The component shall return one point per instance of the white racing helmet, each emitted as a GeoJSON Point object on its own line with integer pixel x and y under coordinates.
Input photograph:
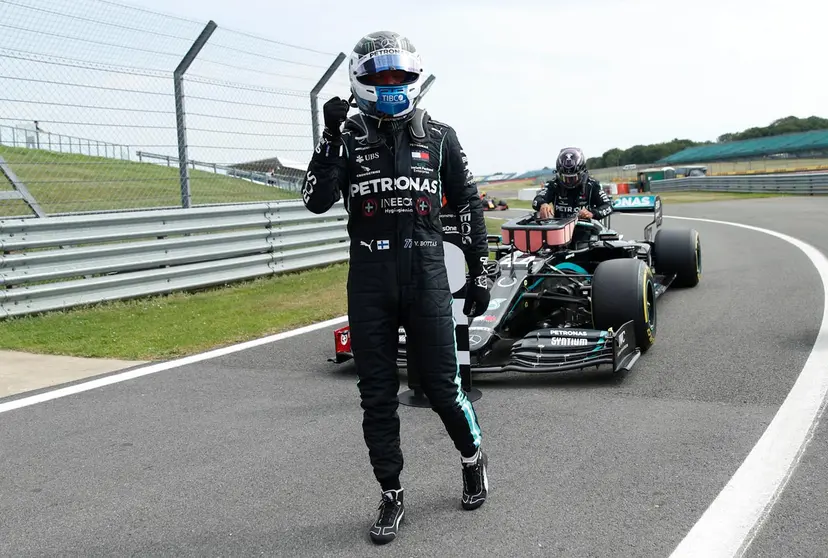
{"type": "Point", "coordinates": [392, 95]}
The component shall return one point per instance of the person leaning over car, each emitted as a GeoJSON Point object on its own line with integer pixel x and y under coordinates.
{"type": "Point", "coordinates": [572, 190]}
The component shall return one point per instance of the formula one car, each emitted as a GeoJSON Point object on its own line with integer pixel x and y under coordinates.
{"type": "Point", "coordinates": [490, 205]}
{"type": "Point", "coordinates": [567, 293]}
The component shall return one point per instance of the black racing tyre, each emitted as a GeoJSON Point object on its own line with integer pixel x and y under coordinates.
{"type": "Point", "coordinates": [624, 290]}
{"type": "Point", "coordinates": [678, 251]}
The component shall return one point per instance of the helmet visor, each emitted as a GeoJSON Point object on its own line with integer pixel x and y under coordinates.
{"type": "Point", "coordinates": [390, 60]}
{"type": "Point", "coordinates": [570, 180]}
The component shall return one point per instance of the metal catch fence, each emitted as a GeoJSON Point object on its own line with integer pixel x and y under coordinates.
{"type": "Point", "coordinates": [97, 98]}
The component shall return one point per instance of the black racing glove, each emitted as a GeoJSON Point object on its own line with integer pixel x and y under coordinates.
{"type": "Point", "coordinates": [335, 112]}
{"type": "Point", "coordinates": [477, 296]}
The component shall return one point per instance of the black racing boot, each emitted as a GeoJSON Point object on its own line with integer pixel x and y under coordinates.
{"type": "Point", "coordinates": [475, 480]}
{"type": "Point", "coordinates": [391, 512]}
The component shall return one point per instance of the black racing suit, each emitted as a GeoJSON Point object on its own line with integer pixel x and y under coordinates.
{"type": "Point", "coordinates": [568, 202]}
{"type": "Point", "coordinates": [393, 182]}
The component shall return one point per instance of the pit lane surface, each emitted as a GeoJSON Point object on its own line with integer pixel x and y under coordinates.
{"type": "Point", "coordinates": [261, 451]}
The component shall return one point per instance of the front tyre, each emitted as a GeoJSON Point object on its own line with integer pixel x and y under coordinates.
{"type": "Point", "coordinates": [623, 290]}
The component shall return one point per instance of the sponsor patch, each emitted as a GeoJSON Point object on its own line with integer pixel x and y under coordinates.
{"type": "Point", "coordinates": [401, 183]}
{"type": "Point", "coordinates": [369, 207]}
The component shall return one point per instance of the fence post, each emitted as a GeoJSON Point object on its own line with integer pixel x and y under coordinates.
{"type": "Point", "coordinates": [314, 96]}
{"type": "Point", "coordinates": [20, 189]}
{"type": "Point", "coordinates": [426, 86]}
{"type": "Point", "coordinates": [181, 126]}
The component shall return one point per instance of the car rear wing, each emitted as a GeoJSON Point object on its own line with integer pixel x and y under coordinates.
{"type": "Point", "coordinates": [637, 203]}
{"type": "Point", "coordinates": [629, 203]}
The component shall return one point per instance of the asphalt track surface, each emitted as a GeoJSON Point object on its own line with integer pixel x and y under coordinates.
{"type": "Point", "coordinates": [261, 451]}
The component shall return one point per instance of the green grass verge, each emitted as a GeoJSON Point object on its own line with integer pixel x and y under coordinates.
{"type": "Point", "coordinates": [506, 185]}
{"type": "Point", "coordinates": [493, 225]}
{"type": "Point", "coordinates": [180, 324]}
{"type": "Point", "coordinates": [64, 182]}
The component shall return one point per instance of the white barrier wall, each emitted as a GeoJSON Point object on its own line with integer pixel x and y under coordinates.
{"type": "Point", "coordinates": [528, 194]}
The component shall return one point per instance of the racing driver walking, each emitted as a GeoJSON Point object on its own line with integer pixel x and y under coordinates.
{"type": "Point", "coordinates": [392, 164]}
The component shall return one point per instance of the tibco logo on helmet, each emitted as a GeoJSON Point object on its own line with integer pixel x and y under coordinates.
{"type": "Point", "coordinates": [386, 75]}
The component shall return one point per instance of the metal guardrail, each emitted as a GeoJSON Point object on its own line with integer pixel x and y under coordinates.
{"type": "Point", "coordinates": [34, 138]}
{"type": "Point", "coordinates": [803, 184]}
{"type": "Point", "coordinates": [55, 263]}
{"type": "Point", "coordinates": [60, 262]}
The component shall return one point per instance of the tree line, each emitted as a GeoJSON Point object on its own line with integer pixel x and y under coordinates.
{"type": "Point", "coordinates": [647, 154]}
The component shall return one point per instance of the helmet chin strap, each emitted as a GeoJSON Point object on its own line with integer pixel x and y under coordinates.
{"type": "Point", "coordinates": [382, 119]}
{"type": "Point", "coordinates": [353, 104]}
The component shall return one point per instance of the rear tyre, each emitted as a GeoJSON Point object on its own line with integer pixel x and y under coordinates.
{"type": "Point", "coordinates": [678, 252]}
{"type": "Point", "coordinates": [624, 290]}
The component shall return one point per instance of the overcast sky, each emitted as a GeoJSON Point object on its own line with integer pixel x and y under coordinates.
{"type": "Point", "coordinates": [519, 80]}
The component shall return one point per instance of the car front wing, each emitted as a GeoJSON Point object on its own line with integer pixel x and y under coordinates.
{"type": "Point", "coordinates": [561, 350]}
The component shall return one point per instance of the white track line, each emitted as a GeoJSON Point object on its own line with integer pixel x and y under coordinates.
{"type": "Point", "coordinates": [153, 368]}
{"type": "Point", "coordinates": [730, 523]}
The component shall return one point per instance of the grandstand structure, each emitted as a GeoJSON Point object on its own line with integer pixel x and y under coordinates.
{"type": "Point", "coordinates": [795, 152]}
{"type": "Point", "coordinates": [542, 175]}
{"type": "Point", "coordinates": [801, 145]}
{"type": "Point", "coordinates": [533, 176]}
{"type": "Point", "coordinates": [275, 171]}
{"type": "Point", "coordinates": [496, 177]}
